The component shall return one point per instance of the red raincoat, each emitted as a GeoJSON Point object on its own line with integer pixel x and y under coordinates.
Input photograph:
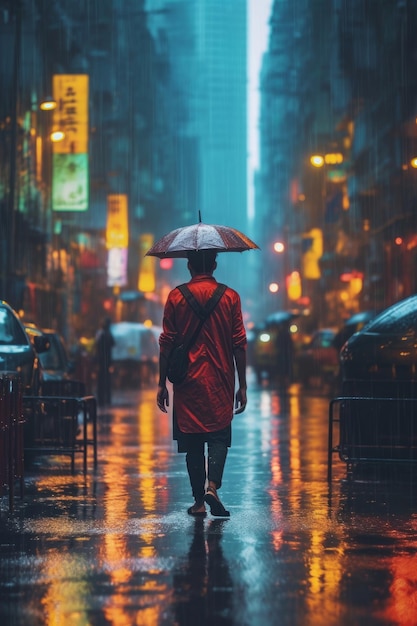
{"type": "Point", "coordinates": [204, 401]}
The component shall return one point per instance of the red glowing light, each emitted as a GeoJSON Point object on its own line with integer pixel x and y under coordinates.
{"type": "Point", "coordinates": [166, 264]}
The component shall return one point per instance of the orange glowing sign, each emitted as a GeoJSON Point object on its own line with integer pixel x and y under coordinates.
{"type": "Point", "coordinates": [293, 284]}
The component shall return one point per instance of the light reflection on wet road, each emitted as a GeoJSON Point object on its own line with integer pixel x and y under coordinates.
{"type": "Point", "coordinates": [117, 547]}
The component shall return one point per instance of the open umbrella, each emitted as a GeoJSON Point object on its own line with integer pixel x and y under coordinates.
{"type": "Point", "coordinates": [134, 342]}
{"type": "Point", "coordinates": [361, 318]}
{"type": "Point", "coordinates": [131, 295]}
{"type": "Point", "coordinates": [200, 236]}
{"type": "Point", "coordinates": [281, 317]}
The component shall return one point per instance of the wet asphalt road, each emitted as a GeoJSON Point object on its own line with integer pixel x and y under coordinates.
{"type": "Point", "coordinates": [116, 547]}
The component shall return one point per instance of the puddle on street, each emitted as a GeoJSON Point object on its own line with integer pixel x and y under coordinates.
{"type": "Point", "coordinates": [117, 547]}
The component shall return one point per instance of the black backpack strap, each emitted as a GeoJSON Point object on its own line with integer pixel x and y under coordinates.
{"type": "Point", "coordinates": [202, 312]}
{"type": "Point", "coordinates": [213, 300]}
{"type": "Point", "coordinates": [197, 308]}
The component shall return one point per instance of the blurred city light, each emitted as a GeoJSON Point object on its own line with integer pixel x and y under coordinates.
{"type": "Point", "coordinates": [265, 337]}
{"type": "Point", "coordinates": [166, 264]}
{"type": "Point", "coordinates": [333, 158]}
{"type": "Point", "coordinates": [317, 160]}
{"type": "Point", "coordinates": [293, 284]}
{"type": "Point", "coordinates": [48, 104]}
{"type": "Point", "coordinates": [57, 135]}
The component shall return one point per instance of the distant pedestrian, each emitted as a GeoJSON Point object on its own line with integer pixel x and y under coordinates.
{"type": "Point", "coordinates": [284, 349]}
{"type": "Point", "coordinates": [103, 350]}
{"type": "Point", "coordinates": [203, 403]}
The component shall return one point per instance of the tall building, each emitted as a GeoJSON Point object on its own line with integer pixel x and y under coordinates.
{"type": "Point", "coordinates": [207, 44]}
{"type": "Point", "coordinates": [221, 120]}
{"type": "Point", "coordinates": [166, 132]}
{"type": "Point", "coordinates": [339, 83]}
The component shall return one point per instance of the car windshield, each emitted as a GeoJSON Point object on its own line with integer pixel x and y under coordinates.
{"type": "Point", "coordinates": [11, 332]}
{"type": "Point", "coordinates": [398, 319]}
{"type": "Point", "coordinates": [54, 358]}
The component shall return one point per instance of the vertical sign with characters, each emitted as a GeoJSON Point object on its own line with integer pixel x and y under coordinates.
{"type": "Point", "coordinates": [117, 239]}
{"type": "Point", "coordinates": [70, 175]}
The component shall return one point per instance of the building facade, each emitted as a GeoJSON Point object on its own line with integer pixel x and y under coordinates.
{"type": "Point", "coordinates": [167, 130]}
{"type": "Point", "coordinates": [338, 82]}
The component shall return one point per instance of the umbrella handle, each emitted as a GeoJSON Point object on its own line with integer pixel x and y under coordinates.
{"type": "Point", "coordinates": [199, 216]}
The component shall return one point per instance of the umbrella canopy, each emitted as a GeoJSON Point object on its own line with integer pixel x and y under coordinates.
{"type": "Point", "coordinates": [361, 318]}
{"type": "Point", "coordinates": [134, 342]}
{"type": "Point", "coordinates": [200, 236]}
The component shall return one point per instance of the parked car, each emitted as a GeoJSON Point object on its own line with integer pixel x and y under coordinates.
{"type": "Point", "coordinates": [55, 365]}
{"type": "Point", "coordinates": [18, 354]}
{"type": "Point", "coordinates": [270, 352]}
{"type": "Point", "coordinates": [317, 360]}
{"type": "Point", "coordinates": [385, 350]}
{"type": "Point", "coordinates": [263, 353]}
{"type": "Point", "coordinates": [135, 354]}
{"type": "Point", "coordinates": [55, 361]}
{"type": "Point", "coordinates": [270, 347]}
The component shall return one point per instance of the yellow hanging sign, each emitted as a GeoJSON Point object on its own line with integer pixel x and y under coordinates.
{"type": "Point", "coordinates": [146, 282]}
{"type": "Point", "coordinates": [117, 231]}
{"type": "Point", "coordinates": [312, 248]}
{"type": "Point", "coordinates": [70, 171]}
{"type": "Point", "coordinates": [70, 91]}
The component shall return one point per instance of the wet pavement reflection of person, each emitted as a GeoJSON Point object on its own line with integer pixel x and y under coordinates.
{"type": "Point", "coordinates": [203, 586]}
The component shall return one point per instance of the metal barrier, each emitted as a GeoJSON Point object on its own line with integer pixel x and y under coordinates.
{"type": "Point", "coordinates": [52, 422]}
{"type": "Point", "coordinates": [11, 436]}
{"type": "Point", "coordinates": [372, 430]}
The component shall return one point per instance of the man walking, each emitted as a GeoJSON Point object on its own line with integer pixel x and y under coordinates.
{"type": "Point", "coordinates": [203, 403]}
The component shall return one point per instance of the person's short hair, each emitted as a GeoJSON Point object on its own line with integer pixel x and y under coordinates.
{"type": "Point", "coordinates": [202, 261]}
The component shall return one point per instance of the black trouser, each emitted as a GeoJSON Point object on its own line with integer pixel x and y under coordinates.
{"type": "Point", "coordinates": [194, 446]}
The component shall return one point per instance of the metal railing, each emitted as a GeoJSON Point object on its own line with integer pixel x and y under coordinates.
{"type": "Point", "coordinates": [58, 422]}
{"type": "Point", "coordinates": [63, 422]}
{"type": "Point", "coordinates": [11, 436]}
{"type": "Point", "coordinates": [372, 429]}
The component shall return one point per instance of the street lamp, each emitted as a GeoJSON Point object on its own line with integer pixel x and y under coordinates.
{"type": "Point", "coordinates": [317, 160]}
{"type": "Point", "coordinates": [47, 104]}
{"type": "Point", "coordinates": [57, 135]}
{"type": "Point", "coordinates": [330, 158]}
{"type": "Point", "coordinates": [280, 248]}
